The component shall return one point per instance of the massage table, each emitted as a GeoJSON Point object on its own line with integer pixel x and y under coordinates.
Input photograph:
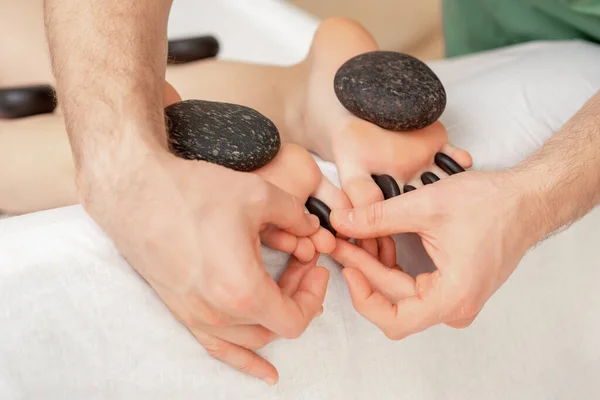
{"type": "Point", "coordinates": [77, 322]}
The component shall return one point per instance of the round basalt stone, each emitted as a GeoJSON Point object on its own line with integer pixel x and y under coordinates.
{"type": "Point", "coordinates": [230, 135]}
{"type": "Point", "coordinates": [392, 90]}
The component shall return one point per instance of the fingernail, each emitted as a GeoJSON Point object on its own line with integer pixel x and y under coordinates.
{"type": "Point", "coordinates": [270, 381]}
{"type": "Point", "coordinates": [343, 217]}
{"type": "Point", "coordinates": [320, 312]}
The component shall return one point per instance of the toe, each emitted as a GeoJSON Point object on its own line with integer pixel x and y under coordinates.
{"type": "Point", "coordinates": [462, 157]}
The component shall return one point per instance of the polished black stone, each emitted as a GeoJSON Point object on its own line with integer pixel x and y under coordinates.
{"type": "Point", "coordinates": [392, 90]}
{"type": "Point", "coordinates": [408, 188]}
{"type": "Point", "coordinates": [322, 211]}
{"type": "Point", "coordinates": [388, 185]}
{"type": "Point", "coordinates": [192, 49]}
{"type": "Point", "coordinates": [429, 177]}
{"type": "Point", "coordinates": [230, 135]}
{"type": "Point", "coordinates": [27, 101]}
{"type": "Point", "coordinates": [447, 164]}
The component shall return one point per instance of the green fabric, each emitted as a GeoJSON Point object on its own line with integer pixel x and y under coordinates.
{"type": "Point", "coordinates": [477, 25]}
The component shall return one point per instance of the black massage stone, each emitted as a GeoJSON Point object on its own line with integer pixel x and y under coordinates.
{"type": "Point", "coordinates": [392, 90]}
{"type": "Point", "coordinates": [447, 164]}
{"type": "Point", "coordinates": [186, 50]}
{"type": "Point", "coordinates": [429, 177]}
{"type": "Point", "coordinates": [408, 188]}
{"type": "Point", "coordinates": [388, 185]}
{"type": "Point", "coordinates": [322, 211]}
{"type": "Point", "coordinates": [26, 101]}
{"type": "Point", "coordinates": [230, 135]}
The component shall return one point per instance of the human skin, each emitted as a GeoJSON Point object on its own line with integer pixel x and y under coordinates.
{"type": "Point", "coordinates": [40, 174]}
{"type": "Point", "coordinates": [299, 99]}
{"type": "Point", "coordinates": [108, 58]}
{"type": "Point", "coordinates": [476, 227]}
{"type": "Point", "coordinates": [114, 119]}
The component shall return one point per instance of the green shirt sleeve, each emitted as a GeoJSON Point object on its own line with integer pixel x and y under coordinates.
{"type": "Point", "coordinates": [478, 25]}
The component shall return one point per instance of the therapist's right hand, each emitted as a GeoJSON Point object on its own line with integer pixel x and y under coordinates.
{"type": "Point", "coordinates": [475, 226]}
{"type": "Point", "coordinates": [192, 230]}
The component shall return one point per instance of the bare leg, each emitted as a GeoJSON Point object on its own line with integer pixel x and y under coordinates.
{"type": "Point", "coordinates": [36, 165]}
{"type": "Point", "coordinates": [37, 168]}
{"type": "Point", "coordinates": [23, 46]}
{"type": "Point", "coordinates": [298, 99]}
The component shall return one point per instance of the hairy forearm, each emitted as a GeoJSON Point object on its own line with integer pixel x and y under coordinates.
{"type": "Point", "coordinates": [108, 57]}
{"type": "Point", "coordinates": [564, 175]}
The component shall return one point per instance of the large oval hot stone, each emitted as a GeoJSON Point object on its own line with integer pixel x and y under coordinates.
{"type": "Point", "coordinates": [392, 90]}
{"type": "Point", "coordinates": [230, 135]}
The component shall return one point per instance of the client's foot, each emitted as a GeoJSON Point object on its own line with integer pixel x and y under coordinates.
{"type": "Point", "coordinates": [359, 148]}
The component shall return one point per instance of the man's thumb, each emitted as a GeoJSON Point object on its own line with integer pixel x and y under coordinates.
{"type": "Point", "coordinates": [397, 215]}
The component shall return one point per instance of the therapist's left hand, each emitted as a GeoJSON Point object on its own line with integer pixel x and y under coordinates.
{"type": "Point", "coordinates": [475, 226]}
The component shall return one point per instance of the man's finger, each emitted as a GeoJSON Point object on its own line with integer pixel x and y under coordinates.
{"type": "Point", "coordinates": [387, 251]}
{"type": "Point", "coordinates": [414, 315]}
{"type": "Point", "coordinates": [362, 191]}
{"type": "Point", "coordinates": [397, 321]}
{"type": "Point", "coordinates": [279, 240]}
{"type": "Point", "coordinates": [461, 323]}
{"type": "Point", "coordinates": [238, 357]}
{"type": "Point", "coordinates": [323, 241]}
{"type": "Point", "coordinates": [372, 305]}
{"type": "Point", "coordinates": [406, 213]}
{"type": "Point", "coordinates": [371, 246]}
{"type": "Point", "coordinates": [252, 337]}
{"type": "Point", "coordinates": [427, 308]}
{"type": "Point", "coordinates": [276, 239]}
{"type": "Point", "coordinates": [305, 250]}
{"type": "Point", "coordinates": [288, 316]}
{"type": "Point", "coordinates": [391, 282]}
{"type": "Point", "coordinates": [286, 212]}
{"type": "Point", "coordinates": [293, 274]}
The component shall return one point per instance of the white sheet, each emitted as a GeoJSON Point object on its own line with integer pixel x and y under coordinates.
{"type": "Point", "coordinates": [77, 322]}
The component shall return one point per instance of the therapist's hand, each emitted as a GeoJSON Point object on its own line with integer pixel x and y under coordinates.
{"type": "Point", "coordinates": [476, 227]}
{"type": "Point", "coordinates": [192, 230]}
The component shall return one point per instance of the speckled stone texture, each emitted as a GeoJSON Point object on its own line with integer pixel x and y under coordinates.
{"type": "Point", "coordinates": [392, 90]}
{"type": "Point", "coordinates": [230, 135]}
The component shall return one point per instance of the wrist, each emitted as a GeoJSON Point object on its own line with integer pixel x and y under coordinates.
{"type": "Point", "coordinates": [108, 162]}
{"type": "Point", "coordinates": [535, 216]}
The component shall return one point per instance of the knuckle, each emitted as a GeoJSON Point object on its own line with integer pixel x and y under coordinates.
{"type": "Point", "coordinates": [374, 214]}
{"type": "Point", "coordinates": [257, 191]}
{"type": "Point", "coordinates": [215, 349]}
{"type": "Point", "coordinates": [192, 313]}
{"type": "Point", "coordinates": [431, 205]}
{"type": "Point", "coordinates": [236, 296]}
{"type": "Point", "coordinates": [294, 330]}
{"type": "Point", "coordinates": [260, 340]}
{"type": "Point", "coordinates": [217, 319]}
{"type": "Point", "coordinates": [248, 365]}
{"type": "Point", "coordinates": [189, 319]}
{"type": "Point", "coordinates": [200, 313]}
